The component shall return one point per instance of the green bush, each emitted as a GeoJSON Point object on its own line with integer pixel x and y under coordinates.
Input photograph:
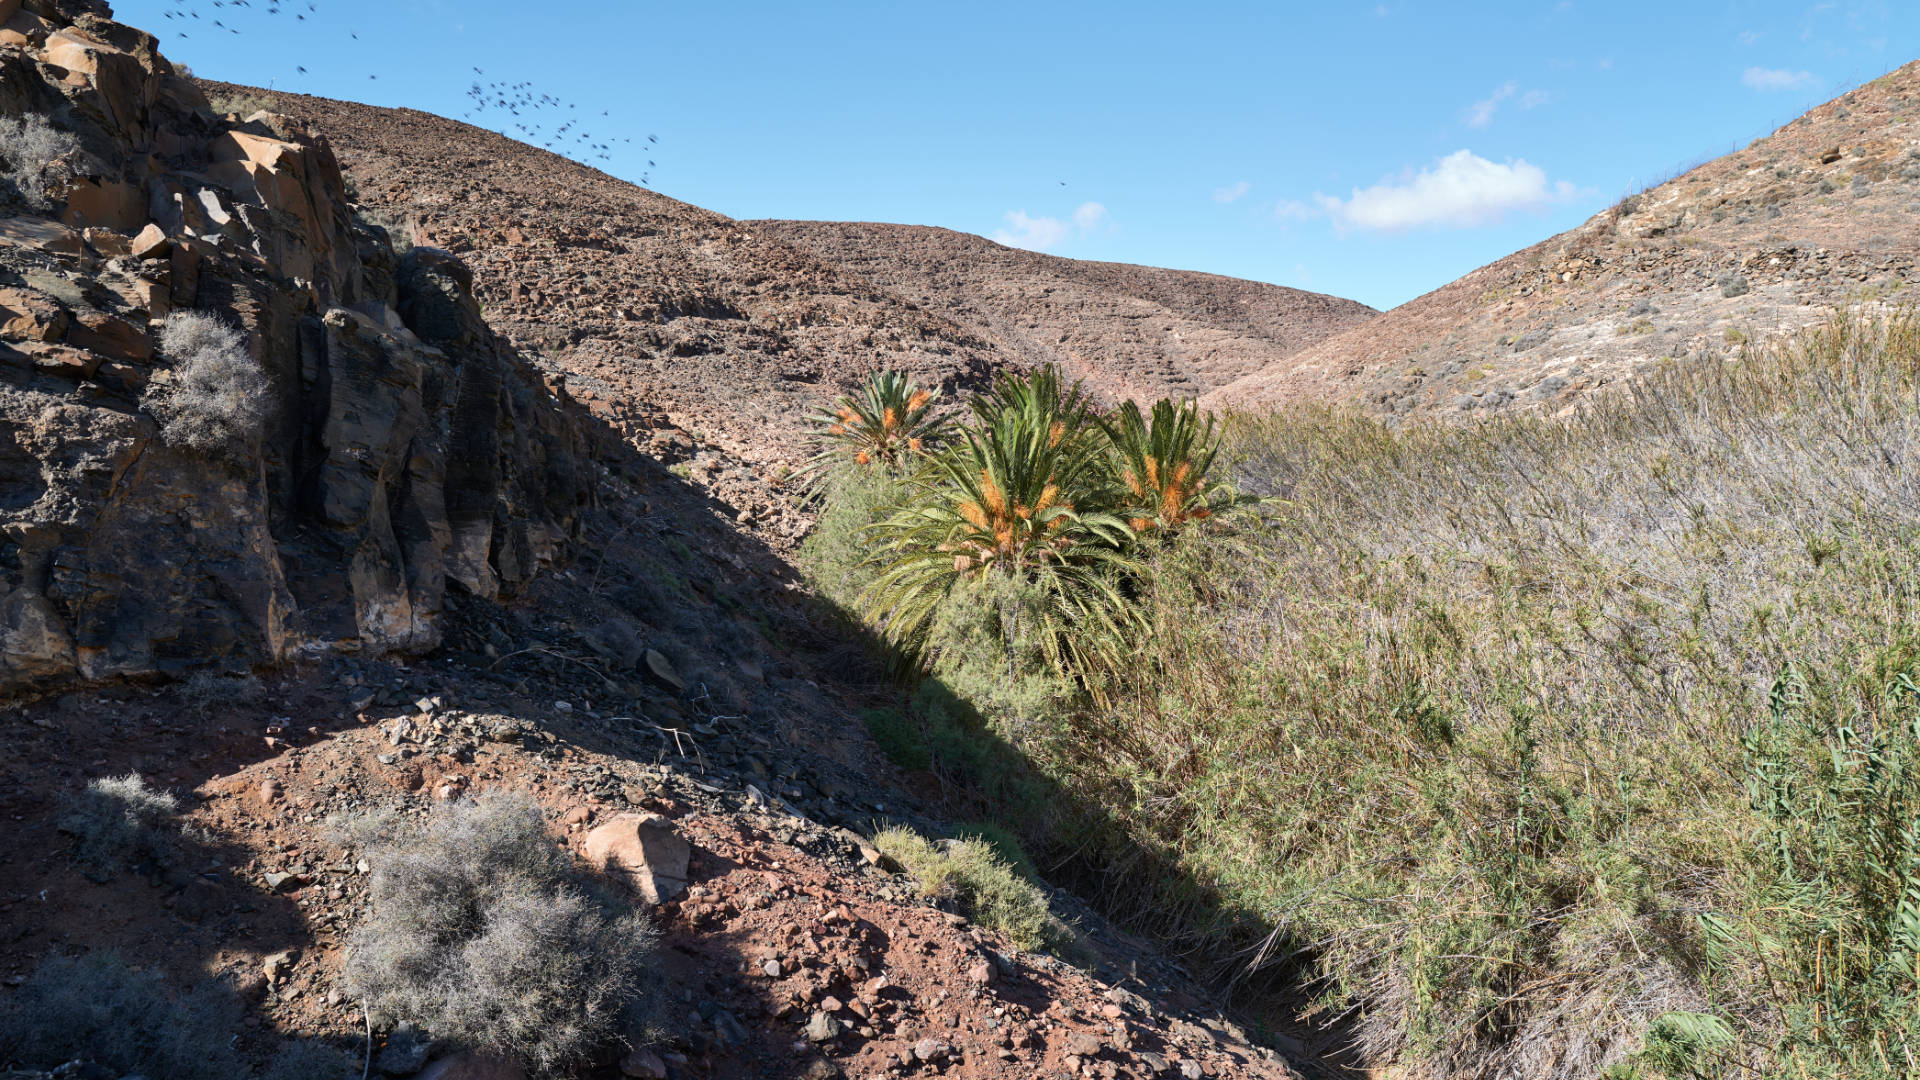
{"type": "Point", "coordinates": [1025, 495]}
{"type": "Point", "coordinates": [898, 737]}
{"type": "Point", "coordinates": [1483, 730]}
{"type": "Point", "coordinates": [970, 873]}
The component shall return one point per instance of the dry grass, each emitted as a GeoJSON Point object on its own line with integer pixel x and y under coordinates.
{"type": "Point", "coordinates": [1465, 723]}
{"type": "Point", "coordinates": [483, 931]}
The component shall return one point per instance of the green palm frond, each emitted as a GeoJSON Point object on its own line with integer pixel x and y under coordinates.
{"type": "Point", "coordinates": [887, 423]}
{"type": "Point", "coordinates": [1163, 465]}
{"type": "Point", "coordinates": [1026, 492]}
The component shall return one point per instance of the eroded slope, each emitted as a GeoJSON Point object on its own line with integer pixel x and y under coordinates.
{"type": "Point", "coordinates": [1824, 212]}
{"type": "Point", "coordinates": [1130, 331]}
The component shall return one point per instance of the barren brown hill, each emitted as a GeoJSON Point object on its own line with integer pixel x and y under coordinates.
{"type": "Point", "coordinates": [1823, 213]}
{"type": "Point", "coordinates": [1131, 331]}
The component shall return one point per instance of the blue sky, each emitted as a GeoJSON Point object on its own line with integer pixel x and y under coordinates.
{"type": "Point", "coordinates": [1374, 151]}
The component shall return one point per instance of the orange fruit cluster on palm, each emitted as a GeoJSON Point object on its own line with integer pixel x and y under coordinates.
{"type": "Point", "coordinates": [1163, 464]}
{"type": "Point", "coordinates": [1004, 529]}
{"type": "Point", "coordinates": [1171, 490]}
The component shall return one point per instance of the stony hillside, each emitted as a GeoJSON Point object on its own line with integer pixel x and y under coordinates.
{"type": "Point", "coordinates": [1131, 331]}
{"type": "Point", "coordinates": [1824, 212]}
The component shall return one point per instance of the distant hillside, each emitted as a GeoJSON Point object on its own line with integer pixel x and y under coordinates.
{"type": "Point", "coordinates": [1824, 212]}
{"type": "Point", "coordinates": [1131, 331]}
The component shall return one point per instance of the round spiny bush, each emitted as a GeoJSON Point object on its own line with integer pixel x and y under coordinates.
{"type": "Point", "coordinates": [217, 399]}
{"type": "Point", "coordinates": [483, 932]}
{"type": "Point", "coordinates": [98, 1008]}
{"type": "Point", "coordinates": [117, 821]}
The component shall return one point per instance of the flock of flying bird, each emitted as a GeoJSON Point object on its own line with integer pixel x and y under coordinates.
{"type": "Point", "coordinates": [539, 118]}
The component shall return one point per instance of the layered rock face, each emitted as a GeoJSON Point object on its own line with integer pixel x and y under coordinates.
{"type": "Point", "coordinates": [408, 449]}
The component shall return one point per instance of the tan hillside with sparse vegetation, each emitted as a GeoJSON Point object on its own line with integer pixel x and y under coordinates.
{"type": "Point", "coordinates": [1819, 214]}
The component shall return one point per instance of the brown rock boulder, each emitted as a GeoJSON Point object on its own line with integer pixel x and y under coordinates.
{"type": "Point", "coordinates": [646, 849]}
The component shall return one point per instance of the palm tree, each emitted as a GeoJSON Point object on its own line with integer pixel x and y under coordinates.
{"type": "Point", "coordinates": [1026, 492]}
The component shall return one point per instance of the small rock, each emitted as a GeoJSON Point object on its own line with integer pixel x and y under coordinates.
{"type": "Point", "coordinates": [980, 973]}
{"type": "Point", "coordinates": [405, 1053]}
{"type": "Point", "coordinates": [269, 790]}
{"type": "Point", "coordinates": [1084, 1044]}
{"type": "Point", "coordinates": [771, 969]}
{"type": "Point", "coordinates": [644, 1063]}
{"type": "Point", "coordinates": [830, 1004]}
{"type": "Point", "coordinates": [661, 670]}
{"type": "Point", "coordinates": [728, 1028]}
{"type": "Point", "coordinates": [282, 882]}
{"type": "Point", "coordinates": [930, 1050]}
{"type": "Point", "coordinates": [647, 849]}
{"type": "Point", "coordinates": [277, 965]}
{"type": "Point", "coordinates": [823, 1027]}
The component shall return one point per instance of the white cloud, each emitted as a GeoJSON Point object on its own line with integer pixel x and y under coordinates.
{"type": "Point", "coordinates": [1231, 192]}
{"type": "Point", "coordinates": [1765, 79]}
{"type": "Point", "coordinates": [1480, 113]}
{"type": "Point", "coordinates": [1032, 233]}
{"type": "Point", "coordinates": [1533, 99]}
{"type": "Point", "coordinates": [1460, 190]}
{"type": "Point", "coordinates": [1748, 37]}
{"type": "Point", "coordinates": [1294, 210]}
{"type": "Point", "coordinates": [1046, 233]}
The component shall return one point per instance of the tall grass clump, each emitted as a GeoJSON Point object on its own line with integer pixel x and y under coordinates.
{"type": "Point", "coordinates": [1536, 747]}
{"type": "Point", "coordinates": [483, 932]}
{"type": "Point", "coordinates": [1487, 725]}
{"type": "Point", "coordinates": [972, 873]}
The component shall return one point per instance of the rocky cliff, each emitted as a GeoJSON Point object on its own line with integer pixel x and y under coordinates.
{"type": "Point", "coordinates": [405, 449]}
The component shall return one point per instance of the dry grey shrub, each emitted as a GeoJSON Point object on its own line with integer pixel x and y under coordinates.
{"type": "Point", "coordinates": [484, 932]}
{"type": "Point", "coordinates": [205, 689]}
{"type": "Point", "coordinates": [119, 821]}
{"type": "Point", "coordinates": [96, 1008]}
{"type": "Point", "coordinates": [218, 399]}
{"type": "Point", "coordinates": [31, 147]}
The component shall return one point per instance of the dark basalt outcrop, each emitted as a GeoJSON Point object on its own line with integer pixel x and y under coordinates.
{"type": "Point", "coordinates": [409, 449]}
